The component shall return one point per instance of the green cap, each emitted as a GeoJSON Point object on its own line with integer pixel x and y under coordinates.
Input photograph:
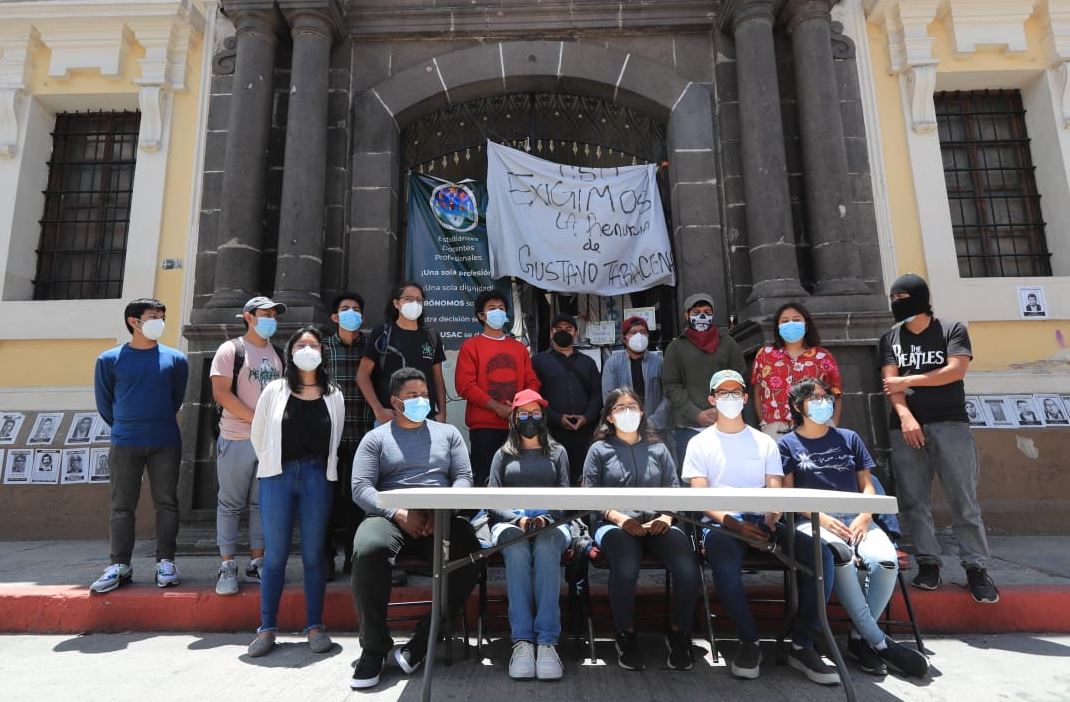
{"type": "Point", "coordinates": [721, 377]}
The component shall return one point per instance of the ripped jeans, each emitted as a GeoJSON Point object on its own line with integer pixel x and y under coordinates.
{"type": "Point", "coordinates": [864, 598]}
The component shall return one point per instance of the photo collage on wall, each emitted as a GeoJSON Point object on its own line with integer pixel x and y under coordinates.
{"type": "Point", "coordinates": [1018, 411]}
{"type": "Point", "coordinates": [52, 450]}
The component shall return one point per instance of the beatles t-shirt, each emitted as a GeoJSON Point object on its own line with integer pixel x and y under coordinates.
{"type": "Point", "coordinates": [392, 348]}
{"type": "Point", "coordinates": [828, 463]}
{"type": "Point", "coordinates": [914, 354]}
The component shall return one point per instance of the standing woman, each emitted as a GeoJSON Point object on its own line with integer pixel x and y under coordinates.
{"type": "Point", "coordinates": [796, 353]}
{"type": "Point", "coordinates": [530, 458]}
{"type": "Point", "coordinates": [296, 430]}
{"type": "Point", "coordinates": [626, 454]}
{"type": "Point", "coordinates": [402, 341]}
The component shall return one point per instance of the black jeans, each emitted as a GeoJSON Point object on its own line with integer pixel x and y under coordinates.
{"type": "Point", "coordinates": [575, 444]}
{"type": "Point", "coordinates": [127, 465]}
{"type": "Point", "coordinates": [485, 443]}
{"type": "Point", "coordinates": [375, 550]}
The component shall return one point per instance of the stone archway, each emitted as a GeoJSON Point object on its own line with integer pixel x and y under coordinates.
{"type": "Point", "coordinates": [384, 110]}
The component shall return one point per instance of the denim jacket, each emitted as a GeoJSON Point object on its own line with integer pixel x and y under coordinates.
{"type": "Point", "coordinates": [617, 371]}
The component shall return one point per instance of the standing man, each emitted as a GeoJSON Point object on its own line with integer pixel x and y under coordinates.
{"type": "Point", "coordinates": [492, 367]}
{"type": "Point", "coordinates": [240, 370]}
{"type": "Point", "coordinates": [571, 385]}
{"type": "Point", "coordinates": [408, 451]}
{"type": "Point", "coordinates": [640, 369]}
{"type": "Point", "coordinates": [691, 359]}
{"type": "Point", "coordinates": [924, 363]}
{"type": "Point", "coordinates": [139, 387]}
{"type": "Point", "coordinates": [342, 352]}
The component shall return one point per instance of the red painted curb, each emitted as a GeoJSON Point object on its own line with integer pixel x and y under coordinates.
{"type": "Point", "coordinates": [72, 610]}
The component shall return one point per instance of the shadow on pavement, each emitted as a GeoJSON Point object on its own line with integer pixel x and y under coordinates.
{"type": "Point", "coordinates": [290, 654]}
{"type": "Point", "coordinates": [1022, 643]}
{"type": "Point", "coordinates": [102, 643]}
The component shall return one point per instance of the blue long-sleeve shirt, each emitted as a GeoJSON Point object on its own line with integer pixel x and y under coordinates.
{"type": "Point", "coordinates": [138, 393]}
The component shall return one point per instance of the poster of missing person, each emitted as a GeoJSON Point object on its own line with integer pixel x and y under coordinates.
{"type": "Point", "coordinates": [17, 467]}
{"type": "Point", "coordinates": [81, 429]}
{"type": "Point", "coordinates": [45, 428]}
{"type": "Point", "coordinates": [75, 466]}
{"type": "Point", "coordinates": [46, 466]}
{"type": "Point", "coordinates": [10, 424]}
{"type": "Point", "coordinates": [99, 472]}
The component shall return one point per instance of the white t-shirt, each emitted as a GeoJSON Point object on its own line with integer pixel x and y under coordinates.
{"type": "Point", "coordinates": [740, 460]}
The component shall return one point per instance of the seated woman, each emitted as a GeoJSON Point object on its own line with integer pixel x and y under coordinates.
{"type": "Point", "coordinates": [626, 454]}
{"type": "Point", "coordinates": [530, 458]}
{"type": "Point", "coordinates": [821, 457]}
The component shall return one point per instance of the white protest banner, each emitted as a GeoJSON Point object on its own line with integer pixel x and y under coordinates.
{"type": "Point", "coordinates": [574, 229]}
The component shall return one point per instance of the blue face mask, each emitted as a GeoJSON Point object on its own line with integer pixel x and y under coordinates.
{"type": "Point", "coordinates": [416, 408]}
{"type": "Point", "coordinates": [820, 410]}
{"type": "Point", "coordinates": [792, 331]}
{"type": "Point", "coordinates": [266, 327]}
{"type": "Point", "coordinates": [496, 319]}
{"type": "Point", "coordinates": [350, 320]}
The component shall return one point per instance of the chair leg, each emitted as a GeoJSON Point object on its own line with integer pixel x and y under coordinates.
{"type": "Point", "coordinates": [910, 611]}
{"type": "Point", "coordinates": [791, 608]}
{"type": "Point", "coordinates": [481, 621]}
{"type": "Point", "coordinates": [668, 601]}
{"type": "Point", "coordinates": [706, 608]}
{"type": "Point", "coordinates": [587, 615]}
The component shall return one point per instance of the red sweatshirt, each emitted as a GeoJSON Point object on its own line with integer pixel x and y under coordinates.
{"type": "Point", "coordinates": [492, 369]}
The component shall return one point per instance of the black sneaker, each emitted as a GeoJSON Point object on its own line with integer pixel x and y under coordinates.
{"type": "Point", "coordinates": [410, 656]}
{"type": "Point", "coordinates": [681, 656]}
{"type": "Point", "coordinates": [367, 671]}
{"type": "Point", "coordinates": [868, 659]}
{"type": "Point", "coordinates": [981, 586]}
{"type": "Point", "coordinates": [629, 656]}
{"type": "Point", "coordinates": [748, 660]}
{"type": "Point", "coordinates": [808, 662]}
{"type": "Point", "coordinates": [928, 577]}
{"type": "Point", "coordinates": [906, 660]}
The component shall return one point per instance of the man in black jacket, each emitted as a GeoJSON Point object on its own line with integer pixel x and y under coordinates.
{"type": "Point", "coordinates": [572, 385]}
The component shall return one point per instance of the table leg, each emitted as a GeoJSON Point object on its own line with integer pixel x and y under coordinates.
{"type": "Point", "coordinates": [437, 590]}
{"type": "Point", "coordinates": [822, 613]}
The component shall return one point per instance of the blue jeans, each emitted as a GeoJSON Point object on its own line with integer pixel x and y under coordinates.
{"type": "Point", "coordinates": [725, 554]}
{"type": "Point", "coordinates": [302, 490]}
{"type": "Point", "coordinates": [533, 583]}
{"type": "Point", "coordinates": [864, 602]}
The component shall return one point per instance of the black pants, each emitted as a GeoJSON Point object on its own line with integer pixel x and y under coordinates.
{"type": "Point", "coordinates": [375, 550]}
{"type": "Point", "coordinates": [127, 465]}
{"type": "Point", "coordinates": [485, 443]}
{"type": "Point", "coordinates": [575, 444]}
{"type": "Point", "coordinates": [345, 515]}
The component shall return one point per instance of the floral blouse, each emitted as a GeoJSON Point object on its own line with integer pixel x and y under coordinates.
{"type": "Point", "coordinates": [775, 372]}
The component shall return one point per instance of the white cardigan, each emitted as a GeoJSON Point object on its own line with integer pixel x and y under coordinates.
{"type": "Point", "coordinates": [266, 434]}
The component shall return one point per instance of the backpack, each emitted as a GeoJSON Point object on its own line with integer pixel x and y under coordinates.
{"type": "Point", "coordinates": [239, 362]}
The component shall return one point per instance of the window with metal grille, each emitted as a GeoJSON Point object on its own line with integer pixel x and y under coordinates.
{"type": "Point", "coordinates": [991, 187]}
{"type": "Point", "coordinates": [87, 206]}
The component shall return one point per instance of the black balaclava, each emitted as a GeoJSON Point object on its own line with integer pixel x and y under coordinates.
{"type": "Point", "coordinates": [917, 303]}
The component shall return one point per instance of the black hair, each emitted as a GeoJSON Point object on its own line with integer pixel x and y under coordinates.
{"type": "Point", "coordinates": [811, 339]}
{"type": "Point", "coordinates": [392, 312]}
{"type": "Point", "coordinates": [606, 429]}
{"type": "Point", "coordinates": [800, 393]}
{"type": "Point", "coordinates": [138, 307]}
{"type": "Point", "coordinates": [514, 442]}
{"type": "Point", "coordinates": [293, 374]}
{"type": "Point", "coordinates": [339, 299]}
{"type": "Point", "coordinates": [404, 375]}
{"type": "Point", "coordinates": [488, 296]}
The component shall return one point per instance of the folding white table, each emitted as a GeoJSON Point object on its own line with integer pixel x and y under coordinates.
{"type": "Point", "coordinates": [443, 501]}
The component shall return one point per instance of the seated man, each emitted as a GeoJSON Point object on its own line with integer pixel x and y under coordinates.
{"type": "Point", "coordinates": [732, 454]}
{"type": "Point", "coordinates": [408, 451]}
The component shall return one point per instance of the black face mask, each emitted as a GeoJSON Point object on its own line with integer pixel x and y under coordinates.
{"type": "Point", "coordinates": [530, 428]}
{"type": "Point", "coordinates": [562, 338]}
{"type": "Point", "coordinates": [917, 303]}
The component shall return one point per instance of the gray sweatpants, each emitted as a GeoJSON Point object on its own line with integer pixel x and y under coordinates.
{"type": "Point", "coordinates": [950, 453]}
{"type": "Point", "coordinates": [236, 472]}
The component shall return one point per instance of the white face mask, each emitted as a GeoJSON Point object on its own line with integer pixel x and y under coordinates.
{"type": "Point", "coordinates": [638, 342]}
{"type": "Point", "coordinates": [628, 420]}
{"type": "Point", "coordinates": [412, 311]}
{"type": "Point", "coordinates": [152, 329]}
{"type": "Point", "coordinates": [307, 358]}
{"type": "Point", "coordinates": [730, 407]}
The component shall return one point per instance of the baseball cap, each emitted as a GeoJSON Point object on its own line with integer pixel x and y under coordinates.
{"type": "Point", "coordinates": [696, 298]}
{"type": "Point", "coordinates": [721, 377]}
{"type": "Point", "coordinates": [626, 325]}
{"type": "Point", "coordinates": [525, 396]}
{"type": "Point", "coordinates": [261, 302]}
{"type": "Point", "coordinates": [564, 317]}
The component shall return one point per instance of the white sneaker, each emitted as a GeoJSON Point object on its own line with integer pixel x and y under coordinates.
{"type": "Point", "coordinates": [548, 664]}
{"type": "Point", "coordinates": [227, 584]}
{"type": "Point", "coordinates": [252, 571]}
{"type": "Point", "coordinates": [114, 575]}
{"type": "Point", "coordinates": [167, 574]}
{"type": "Point", "coordinates": [522, 662]}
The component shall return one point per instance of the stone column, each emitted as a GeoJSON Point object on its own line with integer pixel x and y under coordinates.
{"type": "Point", "coordinates": [300, 253]}
{"type": "Point", "coordinates": [765, 173]}
{"type": "Point", "coordinates": [836, 258]}
{"type": "Point", "coordinates": [241, 226]}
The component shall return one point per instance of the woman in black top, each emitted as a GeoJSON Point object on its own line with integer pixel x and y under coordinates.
{"type": "Point", "coordinates": [627, 454]}
{"type": "Point", "coordinates": [296, 429]}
